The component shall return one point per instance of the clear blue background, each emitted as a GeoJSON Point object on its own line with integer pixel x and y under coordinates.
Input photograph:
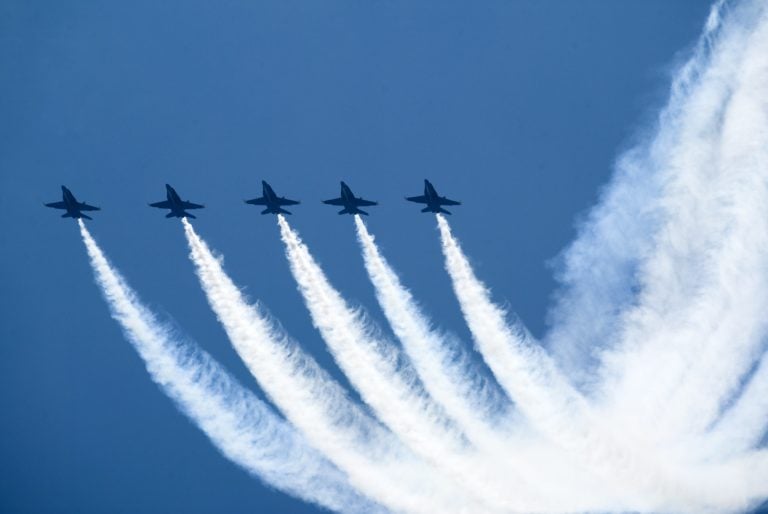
{"type": "Point", "coordinates": [516, 108]}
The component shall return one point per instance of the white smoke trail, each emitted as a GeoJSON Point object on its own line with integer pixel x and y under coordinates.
{"type": "Point", "coordinates": [698, 325]}
{"type": "Point", "coordinates": [374, 461]}
{"type": "Point", "coordinates": [239, 425]}
{"type": "Point", "coordinates": [450, 379]}
{"type": "Point", "coordinates": [444, 370]}
{"type": "Point", "coordinates": [371, 364]}
{"type": "Point", "coordinates": [556, 410]}
{"type": "Point", "coordinates": [526, 373]}
{"type": "Point", "coordinates": [667, 274]}
{"type": "Point", "coordinates": [599, 272]}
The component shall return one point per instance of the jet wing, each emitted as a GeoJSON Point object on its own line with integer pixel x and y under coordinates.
{"type": "Point", "coordinates": [285, 201]}
{"type": "Point", "coordinates": [85, 207]}
{"type": "Point", "coordinates": [165, 204]}
{"type": "Point", "coordinates": [335, 201]}
{"type": "Point", "coordinates": [418, 199]}
{"type": "Point", "coordinates": [257, 201]}
{"type": "Point", "coordinates": [363, 203]}
{"type": "Point", "coordinates": [57, 205]}
{"type": "Point", "coordinates": [446, 201]}
{"type": "Point", "coordinates": [190, 205]}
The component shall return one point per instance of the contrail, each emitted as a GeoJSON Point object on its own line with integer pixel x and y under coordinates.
{"type": "Point", "coordinates": [242, 427]}
{"type": "Point", "coordinates": [526, 373]}
{"type": "Point", "coordinates": [371, 364]}
{"type": "Point", "coordinates": [698, 325]}
{"type": "Point", "coordinates": [444, 369]}
{"type": "Point", "coordinates": [599, 270]}
{"type": "Point", "coordinates": [375, 462]}
{"type": "Point", "coordinates": [450, 378]}
{"type": "Point", "coordinates": [552, 406]}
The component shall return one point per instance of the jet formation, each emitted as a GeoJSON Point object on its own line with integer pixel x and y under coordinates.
{"type": "Point", "coordinates": [272, 203]}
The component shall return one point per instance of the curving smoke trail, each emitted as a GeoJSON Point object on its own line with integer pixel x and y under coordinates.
{"type": "Point", "coordinates": [395, 395]}
{"type": "Point", "coordinates": [446, 371]}
{"type": "Point", "coordinates": [643, 475]}
{"type": "Point", "coordinates": [695, 320]}
{"type": "Point", "coordinates": [533, 382]}
{"type": "Point", "coordinates": [599, 269]}
{"type": "Point", "coordinates": [241, 426]}
{"type": "Point", "coordinates": [451, 379]}
{"type": "Point", "coordinates": [375, 462]}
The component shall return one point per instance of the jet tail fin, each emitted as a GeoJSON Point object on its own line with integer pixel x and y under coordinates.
{"type": "Point", "coordinates": [85, 216]}
{"type": "Point", "coordinates": [66, 215]}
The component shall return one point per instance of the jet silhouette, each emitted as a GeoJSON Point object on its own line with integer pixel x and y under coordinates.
{"type": "Point", "coordinates": [434, 201]}
{"type": "Point", "coordinates": [177, 206]}
{"type": "Point", "coordinates": [72, 206]}
{"type": "Point", "coordinates": [350, 202]}
{"type": "Point", "coordinates": [274, 204]}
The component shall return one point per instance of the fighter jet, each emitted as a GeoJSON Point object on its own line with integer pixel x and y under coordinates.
{"type": "Point", "coordinates": [274, 204]}
{"type": "Point", "coordinates": [434, 201]}
{"type": "Point", "coordinates": [350, 202]}
{"type": "Point", "coordinates": [177, 206]}
{"type": "Point", "coordinates": [73, 207]}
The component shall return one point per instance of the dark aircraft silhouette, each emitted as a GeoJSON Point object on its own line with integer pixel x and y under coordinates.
{"type": "Point", "coordinates": [434, 201]}
{"type": "Point", "coordinates": [274, 204]}
{"type": "Point", "coordinates": [350, 202]}
{"type": "Point", "coordinates": [177, 206]}
{"type": "Point", "coordinates": [73, 207]}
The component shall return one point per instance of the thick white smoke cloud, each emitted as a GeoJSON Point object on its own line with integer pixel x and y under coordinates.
{"type": "Point", "coordinates": [241, 426]}
{"type": "Point", "coordinates": [648, 394]}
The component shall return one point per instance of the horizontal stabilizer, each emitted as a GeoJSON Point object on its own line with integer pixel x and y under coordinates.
{"type": "Point", "coordinates": [274, 210]}
{"type": "Point", "coordinates": [85, 216]}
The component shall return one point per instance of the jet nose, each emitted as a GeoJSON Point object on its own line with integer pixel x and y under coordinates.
{"type": "Point", "coordinates": [168, 186]}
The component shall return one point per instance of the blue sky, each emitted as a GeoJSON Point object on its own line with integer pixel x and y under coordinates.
{"type": "Point", "coordinates": [516, 108]}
